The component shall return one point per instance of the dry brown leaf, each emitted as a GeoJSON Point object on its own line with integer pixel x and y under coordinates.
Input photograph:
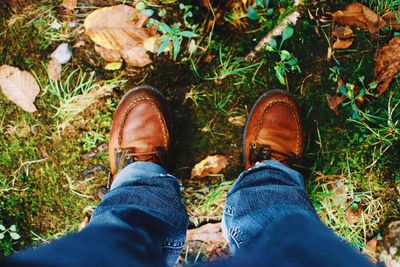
{"type": "Point", "coordinates": [208, 233]}
{"type": "Point", "coordinates": [136, 56]}
{"type": "Point", "coordinates": [83, 224]}
{"type": "Point", "coordinates": [342, 32]}
{"type": "Point", "coordinates": [108, 55]}
{"type": "Point", "coordinates": [360, 16]}
{"type": "Point", "coordinates": [152, 44]}
{"type": "Point", "coordinates": [54, 69]}
{"type": "Point", "coordinates": [117, 27]}
{"type": "Point", "coordinates": [334, 102]}
{"type": "Point", "coordinates": [372, 245]}
{"type": "Point", "coordinates": [119, 31]}
{"type": "Point", "coordinates": [339, 194]}
{"type": "Point", "coordinates": [392, 21]}
{"type": "Point", "coordinates": [19, 86]}
{"type": "Point", "coordinates": [209, 165]}
{"type": "Point", "coordinates": [352, 216]}
{"type": "Point", "coordinates": [387, 64]}
{"type": "Point", "coordinates": [69, 4]}
{"type": "Point", "coordinates": [342, 43]}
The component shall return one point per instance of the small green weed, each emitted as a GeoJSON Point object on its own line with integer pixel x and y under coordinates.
{"type": "Point", "coordinates": [287, 62]}
{"type": "Point", "coordinates": [8, 236]}
{"type": "Point", "coordinates": [91, 140]}
{"type": "Point", "coordinates": [172, 37]}
{"type": "Point", "coordinates": [206, 204]}
{"type": "Point", "coordinates": [228, 66]}
{"type": "Point", "coordinates": [78, 92]}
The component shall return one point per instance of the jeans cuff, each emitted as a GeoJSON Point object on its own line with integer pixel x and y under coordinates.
{"type": "Point", "coordinates": [137, 170]}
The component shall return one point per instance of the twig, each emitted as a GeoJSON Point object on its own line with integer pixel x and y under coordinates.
{"type": "Point", "coordinates": [94, 151]}
{"type": "Point", "coordinates": [277, 31]}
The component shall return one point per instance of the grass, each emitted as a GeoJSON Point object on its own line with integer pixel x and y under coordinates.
{"type": "Point", "coordinates": [206, 204]}
{"type": "Point", "coordinates": [43, 194]}
{"type": "Point", "coordinates": [77, 92]}
{"type": "Point", "coordinates": [382, 6]}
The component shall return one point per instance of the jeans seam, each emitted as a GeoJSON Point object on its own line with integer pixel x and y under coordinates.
{"type": "Point", "coordinates": [236, 236]}
{"type": "Point", "coordinates": [172, 243]}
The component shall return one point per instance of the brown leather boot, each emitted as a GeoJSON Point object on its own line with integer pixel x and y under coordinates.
{"type": "Point", "coordinates": [274, 130]}
{"type": "Point", "coordinates": [140, 129]}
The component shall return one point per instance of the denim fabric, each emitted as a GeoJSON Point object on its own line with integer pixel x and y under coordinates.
{"type": "Point", "coordinates": [147, 187]}
{"type": "Point", "coordinates": [268, 221]}
{"type": "Point", "coordinates": [260, 196]}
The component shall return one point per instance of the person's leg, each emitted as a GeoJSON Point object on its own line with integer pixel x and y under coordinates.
{"type": "Point", "coordinates": [260, 196]}
{"type": "Point", "coordinates": [142, 220]}
{"type": "Point", "coordinates": [146, 188]}
{"type": "Point", "coordinates": [269, 221]}
{"type": "Point", "coordinates": [268, 218]}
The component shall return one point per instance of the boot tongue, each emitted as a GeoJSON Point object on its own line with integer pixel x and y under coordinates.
{"type": "Point", "coordinates": [270, 151]}
{"type": "Point", "coordinates": [140, 154]}
{"type": "Point", "coordinates": [126, 156]}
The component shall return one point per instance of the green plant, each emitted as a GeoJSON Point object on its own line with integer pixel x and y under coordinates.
{"type": "Point", "coordinates": [172, 37]}
{"type": "Point", "coordinates": [11, 231]}
{"type": "Point", "coordinates": [334, 74]}
{"type": "Point", "coordinates": [195, 95]}
{"type": "Point", "coordinates": [382, 6]}
{"type": "Point", "coordinates": [287, 62]}
{"type": "Point", "coordinates": [342, 205]}
{"type": "Point", "coordinates": [77, 92]}
{"type": "Point", "coordinates": [260, 10]}
{"type": "Point", "coordinates": [228, 66]}
{"type": "Point", "coordinates": [380, 130]}
{"type": "Point", "coordinates": [206, 204]}
{"type": "Point", "coordinates": [92, 139]}
{"type": "Point", "coordinates": [221, 100]}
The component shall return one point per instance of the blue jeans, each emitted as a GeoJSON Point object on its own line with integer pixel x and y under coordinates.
{"type": "Point", "coordinates": [268, 221]}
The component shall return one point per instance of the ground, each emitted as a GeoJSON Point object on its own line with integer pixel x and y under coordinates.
{"type": "Point", "coordinates": [351, 160]}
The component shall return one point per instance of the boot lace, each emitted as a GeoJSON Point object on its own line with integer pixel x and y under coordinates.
{"type": "Point", "coordinates": [259, 152]}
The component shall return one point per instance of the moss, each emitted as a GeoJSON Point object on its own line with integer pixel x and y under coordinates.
{"type": "Point", "coordinates": [44, 202]}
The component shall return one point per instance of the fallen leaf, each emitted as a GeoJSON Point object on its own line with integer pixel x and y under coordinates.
{"type": "Point", "coordinates": [54, 69]}
{"type": "Point", "coordinates": [63, 53]}
{"type": "Point", "coordinates": [83, 224]}
{"type": "Point", "coordinates": [122, 28]}
{"type": "Point", "coordinates": [151, 44]}
{"type": "Point", "coordinates": [334, 102]}
{"type": "Point", "coordinates": [69, 4]}
{"type": "Point", "coordinates": [108, 55]}
{"type": "Point", "coordinates": [361, 17]}
{"type": "Point", "coordinates": [387, 64]}
{"type": "Point", "coordinates": [19, 86]}
{"type": "Point", "coordinates": [372, 245]}
{"type": "Point", "coordinates": [370, 250]}
{"type": "Point", "coordinates": [208, 233]}
{"type": "Point", "coordinates": [352, 216]}
{"type": "Point", "coordinates": [113, 66]}
{"type": "Point", "coordinates": [117, 27]}
{"type": "Point", "coordinates": [79, 44]}
{"type": "Point", "coordinates": [342, 43]}
{"type": "Point", "coordinates": [209, 165]}
{"type": "Point", "coordinates": [392, 20]}
{"type": "Point", "coordinates": [237, 120]}
{"type": "Point", "coordinates": [208, 58]}
{"type": "Point", "coordinates": [136, 56]}
{"type": "Point", "coordinates": [343, 32]}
